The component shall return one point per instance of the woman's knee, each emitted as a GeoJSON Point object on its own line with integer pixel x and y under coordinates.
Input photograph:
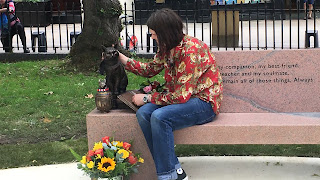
{"type": "Point", "coordinates": [160, 116]}
{"type": "Point", "coordinates": [146, 110]}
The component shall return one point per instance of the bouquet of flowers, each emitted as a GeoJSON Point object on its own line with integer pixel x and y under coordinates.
{"type": "Point", "coordinates": [109, 159]}
{"type": "Point", "coordinates": [148, 87]}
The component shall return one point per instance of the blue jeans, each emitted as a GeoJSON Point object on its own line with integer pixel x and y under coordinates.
{"type": "Point", "coordinates": [158, 123]}
{"type": "Point", "coordinates": [309, 1]}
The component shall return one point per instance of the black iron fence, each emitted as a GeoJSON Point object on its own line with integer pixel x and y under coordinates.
{"type": "Point", "coordinates": [273, 24]}
{"type": "Point", "coordinates": [245, 26]}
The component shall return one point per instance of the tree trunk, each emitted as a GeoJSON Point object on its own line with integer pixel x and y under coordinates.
{"type": "Point", "coordinates": [101, 27]}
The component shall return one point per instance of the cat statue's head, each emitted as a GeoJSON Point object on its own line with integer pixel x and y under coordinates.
{"type": "Point", "coordinates": [109, 53]}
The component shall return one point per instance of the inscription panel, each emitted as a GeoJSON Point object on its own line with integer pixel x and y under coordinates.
{"type": "Point", "coordinates": [270, 81]}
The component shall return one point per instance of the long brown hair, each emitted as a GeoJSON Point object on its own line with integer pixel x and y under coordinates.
{"type": "Point", "coordinates": [168, 27]}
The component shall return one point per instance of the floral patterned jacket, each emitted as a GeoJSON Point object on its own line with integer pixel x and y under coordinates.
{"type": "Point", "coordinates": [192, 74]}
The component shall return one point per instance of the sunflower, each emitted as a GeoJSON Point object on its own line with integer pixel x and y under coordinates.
{"type": "Point", "coordinates": [106, 164]}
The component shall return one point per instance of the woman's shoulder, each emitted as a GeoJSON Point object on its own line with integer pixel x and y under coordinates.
{"type": "Point", "coordinates": [190, 41]}
{"type": "Point", "coordinates": [188, 38]}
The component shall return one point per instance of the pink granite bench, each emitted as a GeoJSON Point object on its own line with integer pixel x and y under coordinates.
{"type": "Point", "coordinates": [270, 97]}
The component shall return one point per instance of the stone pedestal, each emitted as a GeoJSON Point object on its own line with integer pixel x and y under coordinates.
{"type": "Point", "coordinates": [121, 125]}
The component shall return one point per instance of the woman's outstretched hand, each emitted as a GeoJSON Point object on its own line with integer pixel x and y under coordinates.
{"type": "Point", "coordinates": [122, 58]}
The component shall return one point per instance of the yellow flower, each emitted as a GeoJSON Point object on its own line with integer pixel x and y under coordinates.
{"type": "Point", "coordinates": [97, 146]}
{"type": "Point", "coordinates": [106, 164]}
{"type": "Point", "coordinates": [141, 160]}
{"type": "Point", "coordinates": [84, 159]}
{"type": "Point", "coordinates": [98, 156]}
{"type": "Point", "coordinates": [117, 143]}
{"type": "Point", "coordinates": [124, 153]}
{"type": "Point", "coordinates": [90, 164]}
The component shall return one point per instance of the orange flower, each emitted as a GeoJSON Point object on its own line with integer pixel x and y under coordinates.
{"type": "Point", "coordinates": [132, 159]}
{"type": "Point", "coordinates": [106, 139]}
{"type": "Point", "coordinates": [126, 145]}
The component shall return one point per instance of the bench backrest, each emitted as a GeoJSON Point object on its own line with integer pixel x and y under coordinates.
{"type": "Point", "coordinates": [270, 81]}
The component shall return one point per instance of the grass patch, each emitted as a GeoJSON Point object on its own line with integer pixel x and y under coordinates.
{"type": "Point", "coordinates": [43, 108]}
{"type": "Point", "coordinates": [246, 150]}
{"type": "Point", "coordinates": [41, 101]}
{"type": "Point", "coordinates": [42, 114]}
{"type": "Point", "coordinates": [40, 153]}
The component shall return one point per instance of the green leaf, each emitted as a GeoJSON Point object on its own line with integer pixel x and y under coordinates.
{"type": "Point", "coordinates": [76, 155]}
{"type": "Point", "coordinates": [110, 153]}
{"type": "Point", "coordinates": [79, 166]}
{"type": "Point", "coordinates": [119, 157]}
{"type": "Point", "coordinates": [135, 170]}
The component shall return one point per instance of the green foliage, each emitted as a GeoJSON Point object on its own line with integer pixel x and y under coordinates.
{"type": "Point", "coordinates": [115, 12]}
{"type": "Point", "coordinates": [109, 153]}
{"type": "Point", "coordinates": [100, 31]}
{"type": "Point", "coordinates": [109, 12]}
{"type": "Point", "coordinates": [103, 11]}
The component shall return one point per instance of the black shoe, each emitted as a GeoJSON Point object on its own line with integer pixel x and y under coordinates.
{"type": "Point", "coordinates": [26, 50]}
{"type": "Point", "coordinates": [181, 174]}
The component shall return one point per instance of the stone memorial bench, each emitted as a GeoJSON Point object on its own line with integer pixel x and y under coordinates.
{"type": "Point", "coordinates": [270, 97]}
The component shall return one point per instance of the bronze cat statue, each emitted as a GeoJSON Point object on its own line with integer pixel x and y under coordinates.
{"type": "Point", "coordinates": [116, 77]}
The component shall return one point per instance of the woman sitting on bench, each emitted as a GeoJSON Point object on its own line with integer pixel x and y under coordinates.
{"type": "Point", "coordinates": [192, 95]}
{"type": "Point", "coordinates": [7, 12]}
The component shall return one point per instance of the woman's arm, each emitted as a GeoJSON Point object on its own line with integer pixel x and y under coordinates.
{"type": "Point", "coordinates": [137, 98]}
{"type": "Point", "coordinates": [122, 58]}
{"type": "Point", "coordinates": [148, 69]}
{"type": "Point", "coordinates": [2, 10]}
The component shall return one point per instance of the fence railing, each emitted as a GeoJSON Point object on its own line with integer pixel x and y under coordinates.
{"type": "Point", "coordinates": [252, 26]}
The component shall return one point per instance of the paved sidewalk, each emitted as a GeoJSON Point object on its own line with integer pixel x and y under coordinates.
{"type": "Point", "coordinates": [197, 168]}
